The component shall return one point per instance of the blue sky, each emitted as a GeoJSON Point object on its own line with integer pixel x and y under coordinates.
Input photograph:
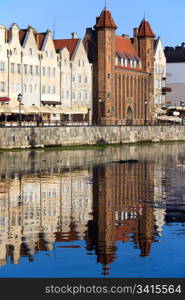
{"type": "Point", "coordinates": [167, 17]}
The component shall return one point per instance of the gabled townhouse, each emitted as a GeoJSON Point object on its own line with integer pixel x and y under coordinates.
{"type": "Point", "coordinates": [76, 73]}
{"type": "Point", "coordinates": [159, 74]}
{"type": "Point", "coordinates": [45, 71]}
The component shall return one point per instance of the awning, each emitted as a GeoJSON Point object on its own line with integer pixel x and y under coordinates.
{"type": "Point", "coordinates": [30, 109]}
{"type": "Point", "coordinates": [169, 119]}
{"type": "Point", "coordinates": [7, 109]}
{"type": "Point", "coordinates": [49, 102]}
{"type": "Point", "coordinates": [177, 108]}
{"type": "Point", "coordinates": [75, 110]}
{"type": "Point", "coordinates": [4, 99]}
{"type": "Point", "coordinates": [160, 111]}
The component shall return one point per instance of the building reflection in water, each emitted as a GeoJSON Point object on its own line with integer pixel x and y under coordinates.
{"type": "Point", "coordinates": [123, 209]}
{"type": "Point", "coordinates": [38, 209]}
{"type": "Point", "coordinates": [105, 204]}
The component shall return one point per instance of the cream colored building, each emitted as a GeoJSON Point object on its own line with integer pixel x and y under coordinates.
{"type": "Point", "coordinates": [159, 74]}
{"type": "Point", "coordinates": [43, 70]}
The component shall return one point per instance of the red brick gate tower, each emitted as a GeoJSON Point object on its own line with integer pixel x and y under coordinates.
{"type": "Point", "coordinates": [144, 45]}
{"type": "Point", "coordinates": [100, 46]}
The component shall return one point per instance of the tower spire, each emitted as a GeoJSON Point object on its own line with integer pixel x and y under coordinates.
{"type": "Point", "coordinates": [105, 5]}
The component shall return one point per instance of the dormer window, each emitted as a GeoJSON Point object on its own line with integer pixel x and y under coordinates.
{"type": "Point", "coordinates": [116, 61]}
{"type": "Point", "coordinates": [126, 63]}
{"type": "Point", "coordinates": [122, 62]}
{"type": "Point", "coordinates": [140, 64]}
{"type": "Point", "coordinates": [30, 51]}
{"type": "Point", "coordinates": [46, 53]}
{"type": "Point", "coordinates": [134, 64]}
{"type": "Point", "coordinates": [131, 63]}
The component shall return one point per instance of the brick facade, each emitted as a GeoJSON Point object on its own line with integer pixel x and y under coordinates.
{"type": "Point", "coordinates": [122, 72]}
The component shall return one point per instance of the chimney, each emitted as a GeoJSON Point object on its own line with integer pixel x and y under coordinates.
{"type": "Point", "coordinates": [135, 35]}
{"type": "Point", "coordinates": [125, 36]}
{"type": "Point", "coordinates": [74, 35]}
{"type": "Point", "coordinates": [135, 32]}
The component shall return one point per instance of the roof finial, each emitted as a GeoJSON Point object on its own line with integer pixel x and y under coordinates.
{"type": "Point", "coordinates": [105, 4]}
{"type": "Point", "coordinates": [144, 16]}
{"type": "Point", "coordinates": [54, 28]}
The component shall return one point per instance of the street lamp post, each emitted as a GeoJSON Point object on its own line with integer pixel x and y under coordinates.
{"type": "Point", "coordinates": [19, 99]}
{"type": "Point", "coordinates": [146, 103]}
{"type": "Point", "coordinates": [99, 110]}
{"type": "Point", "coordinates": [183, 104]}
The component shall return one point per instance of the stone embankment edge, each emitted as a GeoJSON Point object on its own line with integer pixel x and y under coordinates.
{"type": "Point", "coordinates": [71, 136]}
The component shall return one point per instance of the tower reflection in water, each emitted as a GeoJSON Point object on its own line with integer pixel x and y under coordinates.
{"type": "Point", "coordinates": [123, 209]}
{"type": "Point", "coordinates": [102, 205]}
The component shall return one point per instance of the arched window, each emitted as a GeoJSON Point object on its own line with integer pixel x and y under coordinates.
{"type": "Point", "coordinates": [129, 116]}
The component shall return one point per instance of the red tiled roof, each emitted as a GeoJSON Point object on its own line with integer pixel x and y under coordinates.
{"type": "Point", "coordinates": [39, 37]}
{"type": "Point", "coordinates": [70, 44]}
{"type": "Point", "coordinates": [105, 20]}
{"type": "Point", "coordinates": [124, 45]}
{"type": "Point", "coordinates": [22, 35]}
{"type": "Point", "coordinates": [4, 99]}
{"type": "Point", "coordinates": [7, 37]}
{"type": "Point", "coordinates": [145, 29]}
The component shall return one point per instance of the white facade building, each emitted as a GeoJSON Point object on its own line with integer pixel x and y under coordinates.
{"type": "Point", "coordinates": [176, 74]}
{"type": "Point", "coordinates": [159, 74]}
{"type": "Point", "coordinates": [43, 70]}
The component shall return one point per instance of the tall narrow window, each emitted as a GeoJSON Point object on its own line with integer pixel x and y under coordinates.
{"type": "Point", "coordinates": [30, 88]}
{"type": "Point", "coordinates": [30, 51]}
{"type": "Point", "coordinates": [31, 70]}
{"type": "Point", "coordinates": [37, 70]}
{"type": "Point", "coordinates": [2, 66]}
{"type": "Point", "coordinates": [18, 68]}
{"type": "Point", "coordinates": [49, 71]}
{"type": "Point", "coordinates": [12, 68]}
{"type": "Point", "coordinates": [2, 86]}
{"type": "Point", "coordinates": [25, 69]}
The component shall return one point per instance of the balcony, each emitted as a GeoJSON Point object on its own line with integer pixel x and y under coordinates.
{"type": "Point", "coordinates": [166, 90]}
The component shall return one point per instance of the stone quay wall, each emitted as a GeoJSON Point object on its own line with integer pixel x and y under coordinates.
{"type": "Point", "coordinates": [30, 137]}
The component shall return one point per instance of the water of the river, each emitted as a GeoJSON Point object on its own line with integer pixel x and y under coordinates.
{"type": "Point", "coordinates": [117, 212]}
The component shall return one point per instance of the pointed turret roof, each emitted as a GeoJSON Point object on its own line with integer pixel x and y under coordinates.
{"type": "Point", "coordinates": [105, 20]}
{"type": "Point", "coordinates": [145, 29]}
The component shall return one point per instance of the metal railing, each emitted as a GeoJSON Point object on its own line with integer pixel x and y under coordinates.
{"type": "Point", "coordinates": [83, 123]}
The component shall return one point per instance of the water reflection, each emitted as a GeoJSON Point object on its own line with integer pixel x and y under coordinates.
{"type": "Point", "coordinates": [61, 197]}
